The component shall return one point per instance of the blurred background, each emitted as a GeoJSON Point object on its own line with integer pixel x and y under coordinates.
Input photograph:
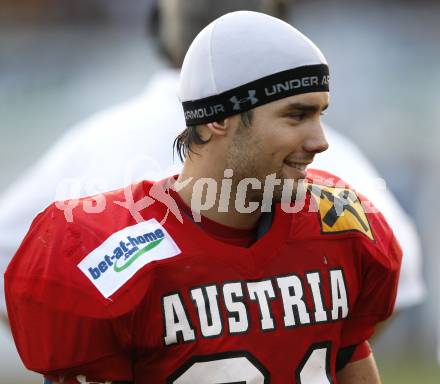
{"type": "Point", "coordinates": [62, 60]}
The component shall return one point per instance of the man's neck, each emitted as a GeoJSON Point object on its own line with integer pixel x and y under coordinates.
{"type": "Point", "coordinates": [188, 186]}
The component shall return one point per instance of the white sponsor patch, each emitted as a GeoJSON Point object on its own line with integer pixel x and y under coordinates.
{"type": "Point", "coordinates": [124, 253]}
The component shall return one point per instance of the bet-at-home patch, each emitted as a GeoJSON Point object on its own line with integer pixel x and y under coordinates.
{"type": "Point", "coordinates": [340, 210]}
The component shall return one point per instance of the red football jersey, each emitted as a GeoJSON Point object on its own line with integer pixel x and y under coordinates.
{"type": "Point", "coordinates": [147, 296]}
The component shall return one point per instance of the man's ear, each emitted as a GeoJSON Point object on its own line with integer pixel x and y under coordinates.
{"type": "Point", "coordinates": [219, 128]}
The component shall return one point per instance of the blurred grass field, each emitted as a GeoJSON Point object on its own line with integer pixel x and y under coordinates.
{"type": "Point", "coordinates": [410, 371]}
{"type": "Point", "coordinates": [405, 372]}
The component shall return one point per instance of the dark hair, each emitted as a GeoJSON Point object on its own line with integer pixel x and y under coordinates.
{"type": "Point", "coordinates": [184, 142]}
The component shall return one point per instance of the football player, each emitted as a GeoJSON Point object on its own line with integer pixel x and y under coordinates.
{"type": "Point", "coordinates": [60, 175]}
{"type": "Point", "coordinates": [216, 275]}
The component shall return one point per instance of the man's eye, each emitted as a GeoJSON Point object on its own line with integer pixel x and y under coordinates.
{"type": "Point", "coordinates": [297, 116]}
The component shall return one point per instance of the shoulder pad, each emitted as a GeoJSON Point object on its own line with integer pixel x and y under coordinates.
{"type": "Point", "coordinates": [72, 254]}
{"type": "Point", "coordinates": [340, 208]}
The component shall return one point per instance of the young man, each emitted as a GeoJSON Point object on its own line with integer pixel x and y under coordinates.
{"type": "Point", "coordinates": [158, 106]}
{"type": "Point", "coordinates": [222, 284]}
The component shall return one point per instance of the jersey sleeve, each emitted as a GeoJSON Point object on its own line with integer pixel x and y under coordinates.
{"type": "Point", "coordinates": [380, 267]}
{"type": "Point", "coordinates": [346, 160]}
{"type": "Point", "coordinates": [376, 252]}
{"type": "Point", "coordinates": [61, 327]}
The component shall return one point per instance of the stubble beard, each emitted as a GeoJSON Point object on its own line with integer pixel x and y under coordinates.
{"type": "Point", "coordinates": [244, 158]}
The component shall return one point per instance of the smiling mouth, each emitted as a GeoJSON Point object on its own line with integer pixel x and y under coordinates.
{"type": "Point", "coordinates": [299, 166]}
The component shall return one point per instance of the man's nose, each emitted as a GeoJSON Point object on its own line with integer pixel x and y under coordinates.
{"type": "Point", "coordinates": [316, 141]}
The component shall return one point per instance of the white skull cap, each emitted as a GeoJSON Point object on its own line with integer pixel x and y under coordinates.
{"type": "Point", "coordinates": [240, 48]}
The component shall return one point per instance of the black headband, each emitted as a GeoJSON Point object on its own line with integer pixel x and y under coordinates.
{"type": "Point", "coordinates": [306, 79]}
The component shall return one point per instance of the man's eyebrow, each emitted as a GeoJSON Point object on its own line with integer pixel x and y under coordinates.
{"type": "Point", "coordinates": [303, 107]}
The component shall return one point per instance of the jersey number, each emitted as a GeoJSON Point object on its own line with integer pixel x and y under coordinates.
{"type": "Point", "coordinates": [240, 367]}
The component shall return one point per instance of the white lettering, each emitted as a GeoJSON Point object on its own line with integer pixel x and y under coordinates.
{"type": "Point", "coordinates": [315, 284]}
{"type": "Point", "coordinates": [339, 295]}
{"type": "Point", "coordinates": [240, 199]}
{"type": "Point", "coordinates": [176, 321]}
{"type": "Point", "coordinates": [263, 291]}
{"type": "Point", "coordinates": [237, 303]}
{"type": "Point", "coordinates": [239, 322]}
{"type": "Point", "coordinates": [196, 198]}
{"type": "Point", "coordinates": [307, 81]}
{"type": "Point", "coordinates": [295, 310]}
{"type": "Point", "coordinates": [207, 307]}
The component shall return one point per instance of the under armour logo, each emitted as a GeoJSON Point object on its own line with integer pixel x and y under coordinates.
{"type": "Point", "coordinates": [250, 98]}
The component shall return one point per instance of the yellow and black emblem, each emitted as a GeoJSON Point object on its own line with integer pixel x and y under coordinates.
{"type": "Point", "coordinates": [340, 210]}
